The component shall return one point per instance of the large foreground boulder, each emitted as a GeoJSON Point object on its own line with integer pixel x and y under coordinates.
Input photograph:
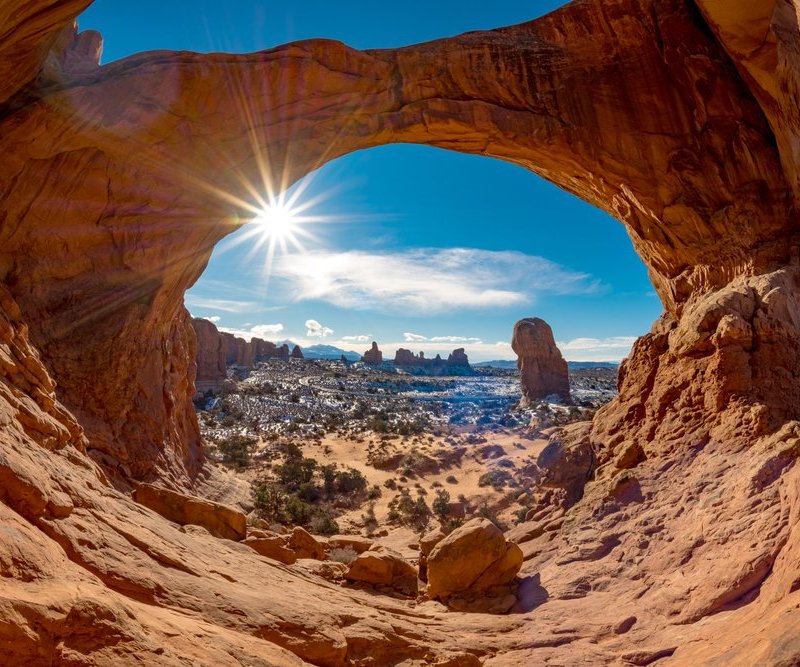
{"type": "Point", "coordinates": [473, 558]}
{"type": "Point", "coordinates": [219, 520]}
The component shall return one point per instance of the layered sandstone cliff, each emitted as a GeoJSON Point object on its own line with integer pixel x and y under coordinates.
{"type": "Point", "coordinates": [679, 118]}
{"type": "Point", "coordinates": [216, 350]}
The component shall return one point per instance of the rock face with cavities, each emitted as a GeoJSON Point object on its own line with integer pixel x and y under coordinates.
{"type": "Point", "coordinates": [677, 117]}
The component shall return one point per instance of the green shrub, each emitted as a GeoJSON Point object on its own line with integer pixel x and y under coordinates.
{"type": "Point", "coordinates": [298, 511]}
{"type": "Point", "coordinates": [296, 472]}
{"type": "Point", "coordinates": [237, 450]}
{"type": "Point", "coordinates": [309, 492]}
{"type": "Point", "coordinates": [351, 481]}
{"type": "Point", "coordinates": [329, 478]}
{"type": "Point", "coordinates": [323, 523]}
{"type": "Point", "coordinates": [441, 504]}
{"type": "Point", "coordinates": [269, 499]}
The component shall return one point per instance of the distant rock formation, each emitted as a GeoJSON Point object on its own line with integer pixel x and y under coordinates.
{"type": "Point", "coordinates": [542, 370]}
{"type": "Point", "coordinates": [373, 356]}
{"type": "Point", "coordinates": [458, 357]}
{"type": "Point", "coordinates": [210, 357]}
{"type": "Point", "coordinates": [216, 350]}
{"type": "Point", "coordinates": [457, 363]}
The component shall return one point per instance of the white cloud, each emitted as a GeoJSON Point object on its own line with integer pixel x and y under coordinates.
{"type": "Point", "coordinates": [214, 318]}
{"type": "Point", "coordinates": [413, 338]}
{"type": "Point", "coordinates": [454, 339]}
{"type": "Point", "coordinates": [613, 348]}
{"type": "Point", "coordinates": [426, 280]}
{"type": "Point", "coordinates": [363, 338]}
{"type": "Point", "coordinates": [225, 305]}
{"type": "Point", "coordinates": [316, 330]}
{"type": "Point", "coordinates": [263, 331]}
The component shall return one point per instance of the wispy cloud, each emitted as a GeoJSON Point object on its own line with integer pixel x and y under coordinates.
{"type": "Point", "coordinates": [264, 331]}
{"type": "Point", "coordinates": [597, 349]}
{"type": "Point", "coordinates": [362, 338]}
{"type": "Point", "coordinates": [316, 330]}
{"type": "Point", "coordinates": [425, 280]}
{"type": "Point", "coordinates": [225, 305]}
{"type": "Point", "coordinates": [418, 338]}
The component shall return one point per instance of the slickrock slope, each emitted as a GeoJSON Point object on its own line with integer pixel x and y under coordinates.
{"type": "Point", "coordinates": [542, 369]}
{"type": "Point", "coordinates": [680, 118]}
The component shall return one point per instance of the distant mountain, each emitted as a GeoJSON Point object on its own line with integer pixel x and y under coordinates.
{"type": "Point", "coordinates": [497, 363]}
{"type": "Point", "coordinates": [574, 365]}
{"type": "Point", "coordinates": [323, 351]}
{"type": "Point", "coordinates": [577, 365]}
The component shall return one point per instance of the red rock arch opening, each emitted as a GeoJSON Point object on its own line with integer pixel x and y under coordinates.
{"type": "Point", "coordinates": [111, 215]}
{"type": "Point", "coordinates": [663, 112]}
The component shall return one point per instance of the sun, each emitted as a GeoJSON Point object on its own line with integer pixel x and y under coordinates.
{"type": "Point", "coordinates": [277, 221]}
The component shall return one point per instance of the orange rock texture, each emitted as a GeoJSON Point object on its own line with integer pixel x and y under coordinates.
{"type": "Point", "coordinates": [678, 117]}
{"type": "Point", "coordinates": [542, 369]}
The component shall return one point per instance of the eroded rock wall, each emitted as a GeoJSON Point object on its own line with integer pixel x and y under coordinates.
{"type": "Point", "coordinates": [678, 118]}
{"type": "Point", "coordinates": [672, 142]}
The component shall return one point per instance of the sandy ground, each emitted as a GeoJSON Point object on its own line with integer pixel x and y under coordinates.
{"type": "Point", "coordinates": [505, 449]}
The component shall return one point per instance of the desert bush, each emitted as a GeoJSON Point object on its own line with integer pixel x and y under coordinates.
{"type": "Point", "coordinates": [294, 473]}
{"type": "Point", "coordinates": [390, 484]}
{"type": "Point", "coordinates": [441, 504]}
{"type": "Point", "coordinates": [350, 481]}
{"type": "Point", "coordinates": [486, 512]}
{"type": "Point", "coordinates": [494, 478]}
{"type": "Point", "coordinates": [520, 514]}
{"type": "Point", "coordinates": [451, 479]}
{"type": "Point", "coordinates": [269, 499]}
{"type": "Point", "coordinates": [374, 493]}
{"type": "Point", "coordinates": [309, 492]}
{"type": "Point", "coordinates": [344, 555]}
{"type": "Point", "coordinates": [329, 478]}
{"type": "Point", "coordinates": [323, 523]}
{"type": "Point", "coordinates": [298, 512]}
{"type": "Point", "coordinates": [369, 518]}
{"type": "Point", "coordinates": [237, 450]}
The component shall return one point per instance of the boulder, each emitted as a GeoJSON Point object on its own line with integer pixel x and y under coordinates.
{"type": "Point", "coordinates": [297, 353]}
{"type": "Point", "coordinates": [355, 542]}
{"type": "Point", "coordinates": [567, 462]}
{"type": "Point", "coordinates": [220, 520]}
{"type": "Point", "coordinates": [272, 547]}
{"type": "Point", "coordinates": [381, 566]}
{"type": "Point", "coordinates": [473, 558]}
{"type": "Point", "coordinates": [542, 370]}
{"type": "Point", "coordinates": [306, 545]}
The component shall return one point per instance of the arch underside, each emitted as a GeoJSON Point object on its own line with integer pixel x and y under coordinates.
{"type": "Point", "coordinates": [678, 118]}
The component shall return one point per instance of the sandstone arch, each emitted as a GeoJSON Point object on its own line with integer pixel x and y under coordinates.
{"type": "Point", "coordinates": [630, 104]}
{"type": "Point", "coordinates": [678, 117]}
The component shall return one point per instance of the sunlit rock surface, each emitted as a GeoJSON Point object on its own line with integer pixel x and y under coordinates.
{"type": "Point", "coordinates": [678, 118]}
{"type": "Point", "coordinates": [542, 370]}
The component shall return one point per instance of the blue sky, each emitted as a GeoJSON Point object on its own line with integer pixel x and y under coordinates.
{"type": "Point", "coordinates": [422, 248]}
